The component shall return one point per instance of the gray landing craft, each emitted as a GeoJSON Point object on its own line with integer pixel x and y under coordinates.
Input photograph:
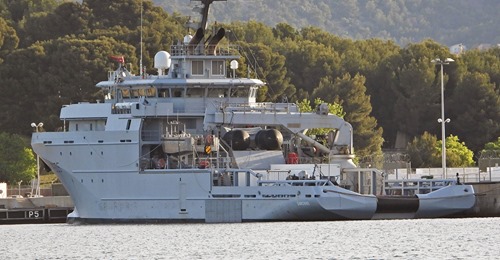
{"type": "Point", "coordinates": [192, 144]}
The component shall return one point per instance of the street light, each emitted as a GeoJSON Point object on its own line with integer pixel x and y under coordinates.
{"type": "Point", "coordinates": [37, 192]}
{"type": "Point", "coordinates": [37, 126]}
{"type": "Point", "coordinates": [441, 120]}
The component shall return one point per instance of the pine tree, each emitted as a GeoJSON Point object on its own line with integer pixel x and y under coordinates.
{"type": "Point", "coordinates": [350, 93]}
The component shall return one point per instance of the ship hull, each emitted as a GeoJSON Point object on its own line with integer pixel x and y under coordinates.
{"type": "Point", "coordinates": [447, 201]}
{"type": "Point", "coordinates": [444, 202]}
{"type": "Point", "coordinates": [187, 196]}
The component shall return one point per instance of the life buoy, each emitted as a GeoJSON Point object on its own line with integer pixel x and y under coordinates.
{"type": "Point", "coordinates": [204, 164]}
{"type": "Point", "coordinates": [209, 139]}
{"type": "Point", "coordinates": [161, 164]}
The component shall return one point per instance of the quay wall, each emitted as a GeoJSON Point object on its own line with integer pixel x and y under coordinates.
{"type": "Point", "coordinates": [487, 200]}
{"type": "Point", "coordinates": [37, 202]}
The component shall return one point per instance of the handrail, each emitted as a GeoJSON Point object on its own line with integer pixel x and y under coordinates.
{"type": "Point", "coordinates": [211, 50]}
{"type": "Point", "coordinates": [291, 182]}
{"type": "Point", "coordinates": [416, 186]}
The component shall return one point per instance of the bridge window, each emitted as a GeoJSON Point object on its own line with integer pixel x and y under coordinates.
{"type": "Point", "coordinates": [151, 92]}
{"type": "Point", "coordinates": [195, 92]}
{"type": "Point", "coordinates": [217, 92]}
{"type": "Point", "coordinates": [164, 92]}
{"type": "Point", "coordinates": [125, 93]}
{"type": "Point", "coordinates": [217, 67]}
{"type": "Point", "coordinates": [197, 67]}
{"type": "Point", "coordinates": [137, 93]}
{"type": "Point", "coordinates": [177, 92]}
{"type": "Point", "coordinates": [239, 92]}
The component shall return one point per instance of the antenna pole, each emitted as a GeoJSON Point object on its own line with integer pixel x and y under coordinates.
{"type": "Point", "coordinates": [140, 59]}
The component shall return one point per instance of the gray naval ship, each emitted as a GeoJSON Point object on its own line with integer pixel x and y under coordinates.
{"type": "Point", "coordinates": [192, 144]}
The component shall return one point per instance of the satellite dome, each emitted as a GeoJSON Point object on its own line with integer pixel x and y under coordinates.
{"type": "Point", "coordinates": [162, 60]}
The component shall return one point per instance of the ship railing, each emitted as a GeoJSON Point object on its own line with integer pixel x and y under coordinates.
{"type": "Point", "coordinates": [122, 108]}
{"type": "Point", "coordinates": [307, 182]}
{"type": "Point", "coordinates": [117, 75]}
{"type": "Point", "coordinates": [231, 50]}
{"type": "Point", "coordinates": [231, 177]}
{"type": "Point", "coordinates": [112, 75]}
{"type": "Point", "coordinates": [312, 159]}
{"type": "Point", "coordinates": [211, 162]}
{"type": "Point", "coordinates": [410, 187]}
{"type": "Point", "coordinates": [261, 107]}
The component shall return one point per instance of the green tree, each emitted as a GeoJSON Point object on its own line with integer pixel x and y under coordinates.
{"type": "Point", "coordinates": [426, 151]}
{"type": "Point", "coordinates": [407, 92]}
{"type": "Point", "coordinates": [487, 62]}
{"type": "Point", "coordinates": [317, 35]}
{"type": "Point", "coordinates": [350, 93]}
{"type": "Point", "coordinates": [308, 62]}
{"type": "Point", "coordinates": [416, 97]}
{"type": "Point", "coordinates": [490, 150]}
{"type": "Point", "coordinates": [71, 18]}
{"type": "Point", "coordinates": [457, 154]}
{"type": "Point", "coordinates": [368, 58]}
{"type": "Point", "coordinates": [42, 89]}
{"type": "Point", "coordinates": [423, 151]}
{"type": "Point", "coordinates": [17, 162]}
{"type": "Point", "coordinates": [252, 32]}
{"type": "Point", "coordinates": [495, 145]}
{"type": "Point", "coordinates": [110, 13]}
{"type": "Point", "coordinates": [24, 14]}
{"type": "Point", "coordinates": [121, 21]}
{"type": "Point", "coordinates": [475, 116]}
{"type": "Point", "coordinates": [8, 39]}
{"type": "Point", "coordinates": [19, 10]}
{"type": "Point", "coordinates": [270, 66]}
{"type": "Point", "coordinates": [284, 31]}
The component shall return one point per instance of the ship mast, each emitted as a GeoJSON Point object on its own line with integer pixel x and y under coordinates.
{"type": "Point", "coordinates": [141, 72]}
{"type": "Point", "coordinates": [204, 13]}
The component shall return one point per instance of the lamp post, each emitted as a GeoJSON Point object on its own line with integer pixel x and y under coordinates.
{"type": "Point", "coordinates": [442, 120]}
{"type": "Point", "coordinates": [37, 192]}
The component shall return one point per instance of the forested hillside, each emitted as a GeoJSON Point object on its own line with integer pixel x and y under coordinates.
{"type": "Point", "coordinates": [448, 22]}
{"type": "Point", "coordinates": [53, 53]}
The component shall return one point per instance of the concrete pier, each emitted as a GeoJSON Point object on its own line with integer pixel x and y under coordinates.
{"type": "Point", "coordinates": [487, 200]}
{"type": "Point", "coordinates": [35, 210]}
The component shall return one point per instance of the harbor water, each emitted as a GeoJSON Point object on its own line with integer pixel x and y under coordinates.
{"type": "Point", "coordinates": [470, 238]}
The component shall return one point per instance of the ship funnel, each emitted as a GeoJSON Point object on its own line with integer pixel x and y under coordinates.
{"type": "Point", "coordinates": [162, 62]}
